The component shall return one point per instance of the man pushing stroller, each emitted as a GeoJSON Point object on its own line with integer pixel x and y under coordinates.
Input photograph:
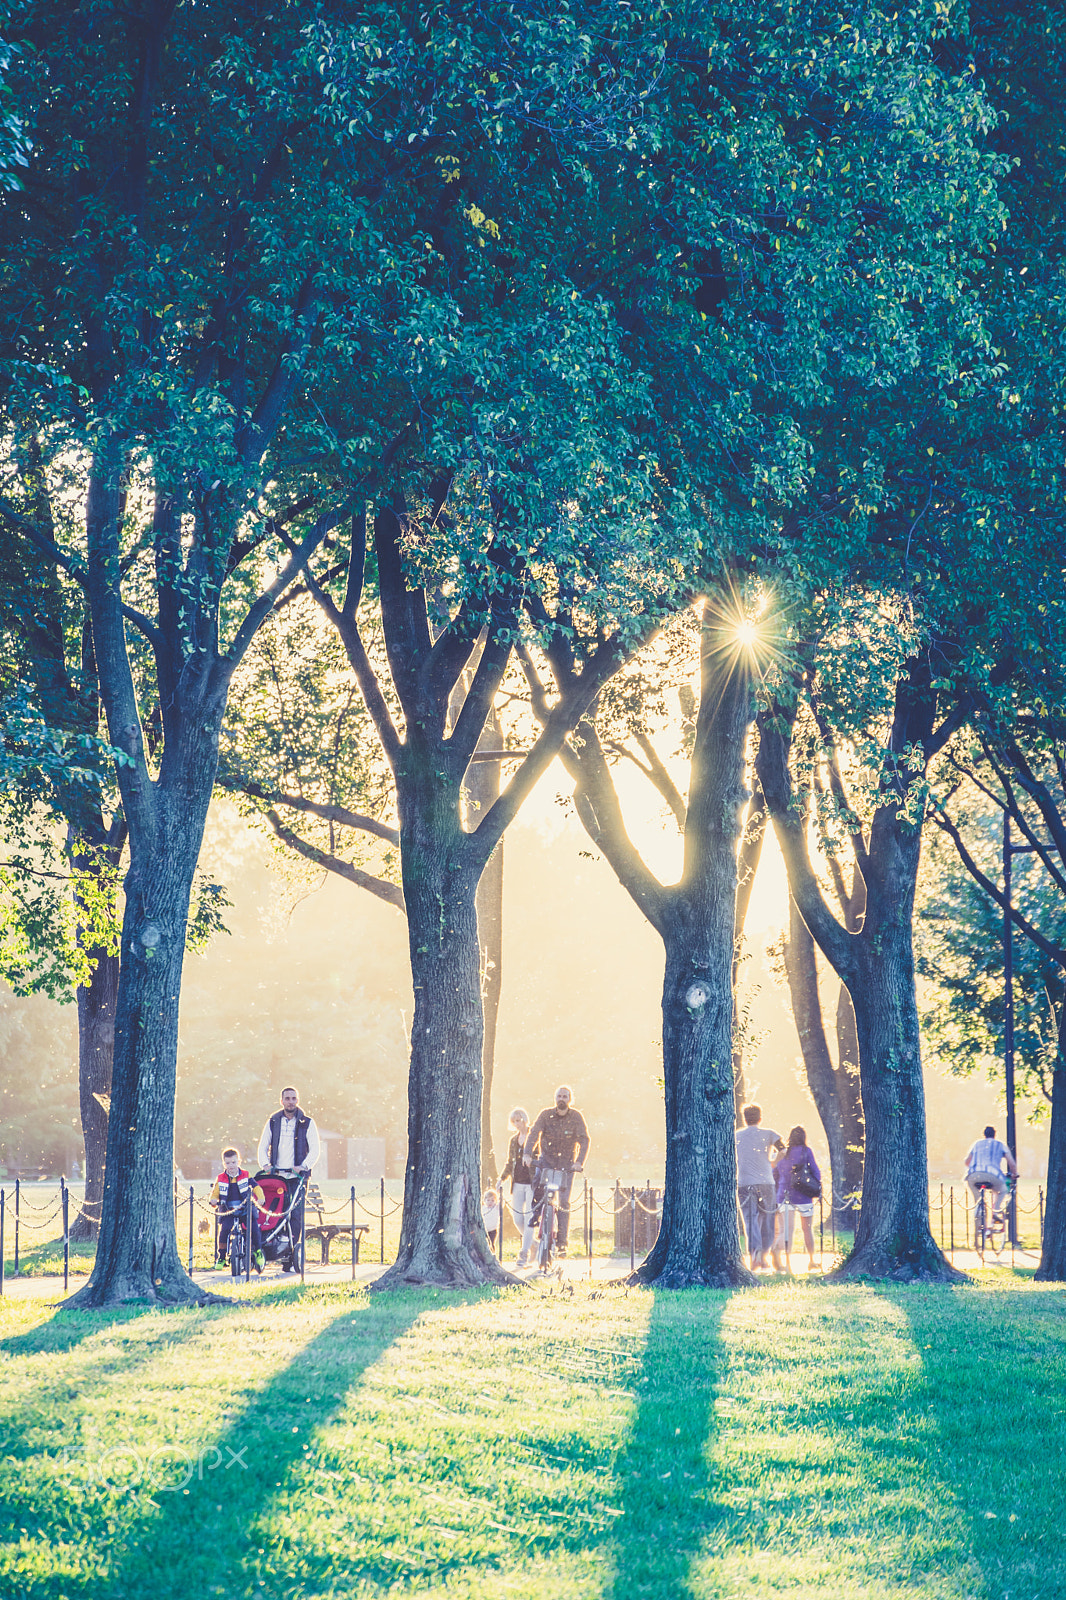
{"type": "Point", "coordinates": [289, 1149]}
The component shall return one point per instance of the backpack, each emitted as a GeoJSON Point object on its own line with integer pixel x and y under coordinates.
{"type": "Point", "coordinates": [804, 1180]}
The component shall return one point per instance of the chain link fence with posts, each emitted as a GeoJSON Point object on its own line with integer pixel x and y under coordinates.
{"type": "Point", "coordinates": [344, 1227]}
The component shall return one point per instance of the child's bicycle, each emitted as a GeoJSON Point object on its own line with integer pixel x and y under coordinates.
{"type": "Point", "coordinates": [990, 1226]}
{"type": "Point", "coordinates": [547, 1223]}
{"type": "Point", "coordinates": [237, 1247]}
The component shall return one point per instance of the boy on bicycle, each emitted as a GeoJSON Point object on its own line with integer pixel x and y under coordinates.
{"type": "Point", "coordinates": [230, 1195]}
{"type": "Point", "coordinates": [984, 1168]}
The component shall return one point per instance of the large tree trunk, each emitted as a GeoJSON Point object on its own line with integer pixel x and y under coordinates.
{"type": "Point", "coordinates": [849, 1099]}
{"type": "Point", "coordinates": [442, 1236]}
{"type": "Point", "coordinates": [699, 1240]}
{"type": "Point", "coordinates": [481, 790]}
{"type": "Point", "coordinates": [755, 824]}
{"type": "Point", "coordinates": [893, 1238]}
{"type": "Point", "coordinates": [801, 969]}
{"type": "Point", "coordinates": [137, 1256]}
{"type": "Point", "coordinates": [490, 941]}
{"type": "Point", "coordinates": [1052, 1268]}
{"type": "Point", "coordinates": [96, 1042]}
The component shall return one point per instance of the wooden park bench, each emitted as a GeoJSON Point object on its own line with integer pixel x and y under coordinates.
{"type": "Point", "coordinates": [326, 1232]}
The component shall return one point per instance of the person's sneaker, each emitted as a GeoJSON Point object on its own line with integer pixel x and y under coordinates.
{"type": "Point", "coordinates": [220, 1265]}
{"type": "Point", "coordinates": [521, 1264]}
{"type": "Point", "coordinates": [560, 1252]}
{"type": "Point", "coordinates": [259, 1261]}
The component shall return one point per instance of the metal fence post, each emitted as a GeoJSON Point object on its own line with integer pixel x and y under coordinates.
{"type": "Point", "coordinates": [1039, 1193]}
{"type": "Point", "coordinates": [353, 1232]}
{"type": "Point", "coordinates": [303, 1233]}
{"type": "Point", "coordinates": [383, 1221]}
{"type": "Point", "coordinates": [592, 1222]}
{"type": "Point", "coordinates": [951, 1206]}
{"type": "Point", "coordinates": [248, 1238]}
{"type": "Point", "coordinates": [632, 1227]}
{"type": "Point", "coordinates": [821, 1235]}
{"type": "Point", "coordinates": [191, 1240]}
{"type": "Point", "coordinates": [18, 1188]}
{"type": "Point", "coordinates": [65, 1194]}
{"type": "Point", "coordinates": [3, 1199]}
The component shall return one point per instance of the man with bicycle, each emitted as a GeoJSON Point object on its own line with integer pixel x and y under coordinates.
{"type": "Point", "coordinates": [984, 1169]}
{"type": "Point", "coordinates": [559, 1142]}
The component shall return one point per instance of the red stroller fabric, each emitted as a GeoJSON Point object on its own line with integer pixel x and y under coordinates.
{"type": "Point", "coordinates": [276, 1196]}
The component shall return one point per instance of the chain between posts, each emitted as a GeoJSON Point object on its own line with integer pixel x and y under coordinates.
{"type": "Point", "coordinates": [629, 1200]}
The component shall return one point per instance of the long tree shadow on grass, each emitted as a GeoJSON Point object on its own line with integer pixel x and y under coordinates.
{"type": "Point", "coordinates": [994, 1365]}
{"type": "Point", "coordinates": [192, 1531]}
{"type": "Point", "coordinates": [665, 1482]}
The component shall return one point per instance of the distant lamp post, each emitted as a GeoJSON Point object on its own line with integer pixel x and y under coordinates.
{"type": "Point", "coordinates": [1008, 985]}
{"type": "Point", "coordinates": [1009, 850]}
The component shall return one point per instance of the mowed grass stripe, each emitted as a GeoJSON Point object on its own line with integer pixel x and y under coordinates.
{"type": "Point", "coordinates": [602, 1443]}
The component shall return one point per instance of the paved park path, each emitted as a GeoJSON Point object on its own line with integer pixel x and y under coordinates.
{"type": "Point", "coordinates": [575, 1269]}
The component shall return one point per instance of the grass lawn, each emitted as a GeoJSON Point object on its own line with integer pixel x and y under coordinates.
{"type": "Point", "coordinates": [790, 1440]}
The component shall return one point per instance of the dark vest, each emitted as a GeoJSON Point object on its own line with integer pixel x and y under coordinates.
{"type": "Point", "coordinates": [303, 1122]}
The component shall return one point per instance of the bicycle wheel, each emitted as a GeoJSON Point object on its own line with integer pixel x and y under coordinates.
{"type": "Point", "coordinates": [980, 1224]}
{"type": "Point", "coordinates": [236, 1251]}
{"type": "Point", "coordinates": [544, 1240]}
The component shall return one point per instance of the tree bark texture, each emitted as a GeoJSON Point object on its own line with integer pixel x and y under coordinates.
{"type": "Point", "coordinates": [1052, 1268]}
{"type": "Point", "coordinates": [490, 949]}
{"type": "Point", "coordinates": [847, 1074]}
{"type": "Point", "coordinates": [96, 1043]}
{"type": "Point", "coordinates": [893, 1237]}
{"type": "Point", "coordinates": [801, 969]}
{"type": "Point", "coordinates": [137, 1256]}
{"type": "Point", "coordinates": [442, 1235]}
{"type": "Point", "coordinates": [699, 1239]}
{"type": "Point", "coordinates": [747, 867]}
{"type": "Point", "coordinates": [481, 791]}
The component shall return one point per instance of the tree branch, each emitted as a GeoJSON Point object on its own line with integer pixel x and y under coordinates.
{"type": "Point", "coordinates": [261, 426]}
{"type": "Point", "coordinates": [261, 607]}
{"type": "Point", "coordinates": [477, 704]}
{"type": "Point", "coordinates": [379, 887]}
{"type": "Point", "coordinates": [790, 825]}
{"type": "Point", "coordinates": [596, 799]}
{"type": "Point", "coordinates": [365, 675]}
{"type": "Point", "coordinates": [577, 696]}
{"type": "Point", "coordinates": [404, 620]}
{"type": "Point", "coordinates": [233, 784]}
{"type": "Point", "coordinates": [945, 824]}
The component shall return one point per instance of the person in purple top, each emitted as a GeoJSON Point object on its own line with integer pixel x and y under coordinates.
{"type": "Point", "coordinates": [797, 1155]}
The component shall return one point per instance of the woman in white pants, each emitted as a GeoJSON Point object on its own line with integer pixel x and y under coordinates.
{"type": "Point", "coordinates": [521, 1176]}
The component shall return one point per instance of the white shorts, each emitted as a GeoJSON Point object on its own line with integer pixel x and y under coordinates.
{"type": "Point", "coordinates": [805, 1210]}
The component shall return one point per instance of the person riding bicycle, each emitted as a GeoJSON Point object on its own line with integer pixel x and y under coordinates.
{"type": "Point", "coordinates": [984, 1169]}
{"type": "Point", "coordinates": [230, 1197]}
{"type": "Point", "coordinates": [559, 1140]}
